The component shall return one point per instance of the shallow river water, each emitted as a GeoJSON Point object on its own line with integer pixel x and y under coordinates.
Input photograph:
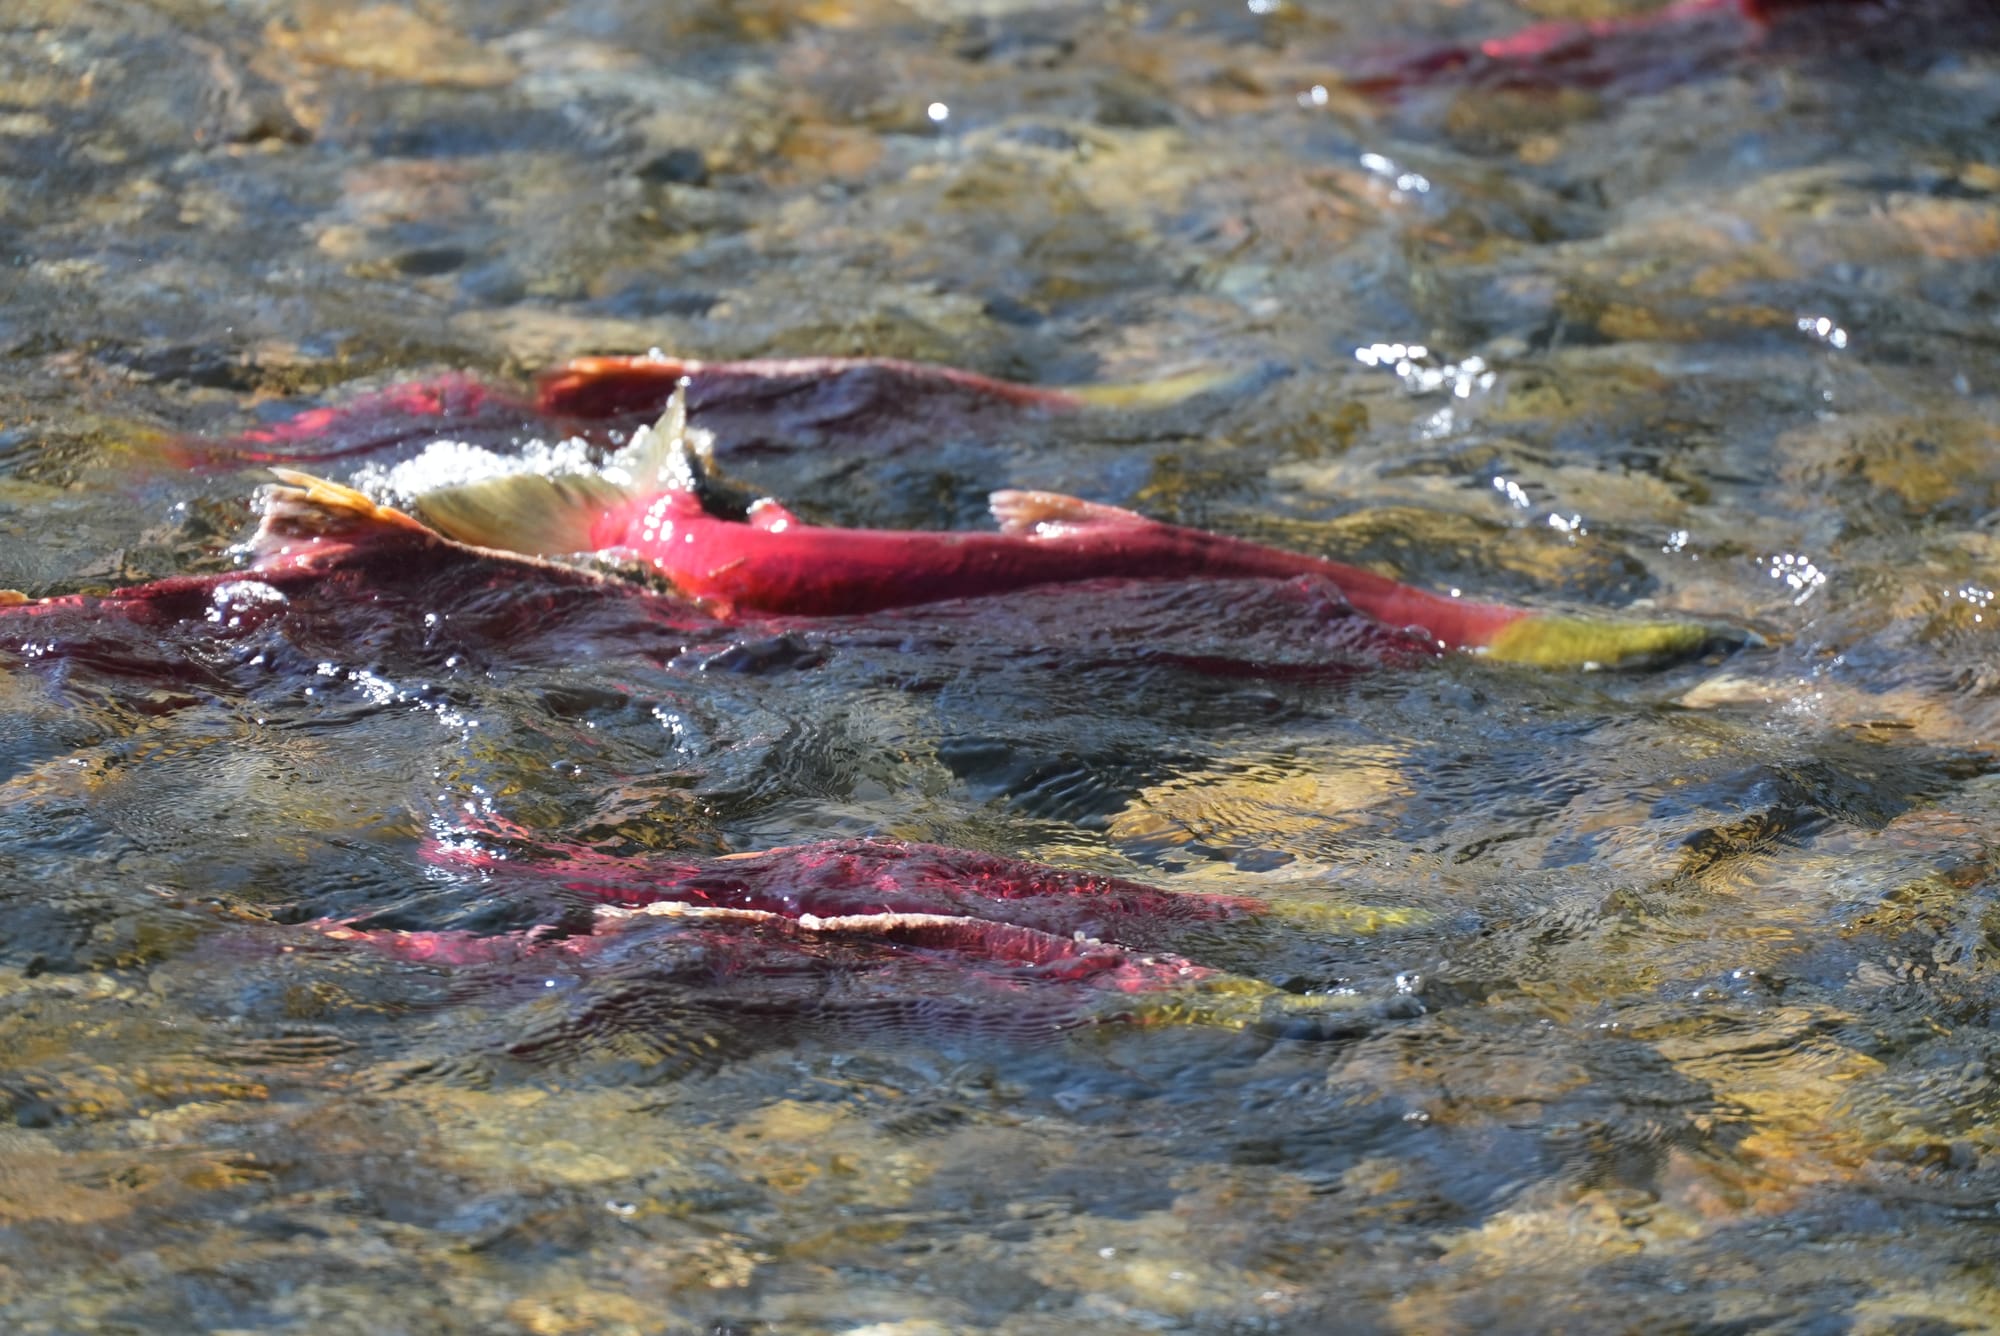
{"type": "Point", "coordinates": [1648, 1001]}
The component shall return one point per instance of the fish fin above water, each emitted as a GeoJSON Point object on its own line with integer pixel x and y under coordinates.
{"type": "Point", "coordinates": [540, 514]}
{"type": "Point", "coordinates": [302, 506]}
{"type": "Point", "coordinates": [553, 514]}
{"type": "Point", "coordinates": [658, 457]}
{"type": "Point", "coordinates": [679, 458]}
{"type": "Point", "coordinates": [1027, 512]}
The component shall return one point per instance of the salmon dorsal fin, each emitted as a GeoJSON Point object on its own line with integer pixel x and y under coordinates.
{"type": "Point", "coordinates": [654, 461]}
{"type": "Point", "coordinates": [680, 458]}
{"type": "Point", "coordinates": [303, 508]}
{"type": "Point", "coordinates": [1029, 512]}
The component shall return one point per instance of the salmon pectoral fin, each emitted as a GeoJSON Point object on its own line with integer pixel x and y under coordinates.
{"type": "Point", "coordinates": [302, 506]}
{"type": "Point", "coordinates": [1028, 512]}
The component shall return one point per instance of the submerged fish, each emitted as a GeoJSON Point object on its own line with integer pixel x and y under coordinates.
{"type": "Point", "coordinates": [1673, 43]}
{"type": "Point", "coordinates": [851, 929]}
{"type": "Point", "coordinates": [856, 879]}
{"type": "Point", "coordinates": [455, 404]}
{"type": "Point", "coordinates": [784, 403]}
{"type": "Point", "coordinates": [861, 393]}
{"type": "Point", "coordinates": [661, 507]}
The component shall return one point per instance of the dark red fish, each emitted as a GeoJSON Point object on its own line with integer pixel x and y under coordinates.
{"type": "Point", "coordinates": [1676, 42]}
{"type": "Point", "coordinates": [341, 575]}
{"type": "Point", "coordinates": [854, 879]}
{"type": "Point", "coordinates": [659, 506]}
{"type": "Point", "coordinates": [836, 928]}
{"type": "Point", "coordinates": [609, 387]}
{"type": "Point", "coordinates": [335, 576]}
{"type": "Point", "coordinates": [787, 403]}
{"type": "Point", "coordinates": [1657, 47]}
{"type": "Point", "coordinates": [449, 405]}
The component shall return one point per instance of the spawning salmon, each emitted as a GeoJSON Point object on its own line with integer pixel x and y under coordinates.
{"type": "Point", "coordinates": [760, 404]}
{"type": "Point", "coordinates": [660, 506]}
{"type": "Point", "coordinates": [868, 930]}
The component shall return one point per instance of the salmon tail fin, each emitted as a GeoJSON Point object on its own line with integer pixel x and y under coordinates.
{"type": "Point", "coordinates": [555, 514]}
{"type": "Point", "coordinates": [1036, 512]}
{"type": "Point", "coordinates": [304, 508]}
{"type": "Point", "coordinates": [1231, 1002]}
{"type": "Point", "coordinates": [1149, 394]}
{"type": "Point", "coordinates": [538, 514]}
{"type": "Point", "coordinates": [1551, 641]}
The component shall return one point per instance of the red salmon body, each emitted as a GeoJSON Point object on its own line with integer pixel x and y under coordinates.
{"type": "Point", "coordinates": [859, 879]}
{"type": "Point", "coordinates": [604, 387]}
{"type": "Point", "coordinates": [774, 563]}
{"type": "Point", "coordinates": [658, 505]}
{"type": "Point", "coordinates": [331, 568]}
{"type": "Point", "coordinates": [853, 929]}
{"type": "Point", "coordinates": [762, 404]}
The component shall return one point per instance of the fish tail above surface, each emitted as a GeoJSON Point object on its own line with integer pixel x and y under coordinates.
{"type": "Point", "coordinates": [555, 514]}
{"type": "Point", "coordinates": [535, 513]}
{"type": "Point", "coordinates": [309, 522]}
{"type": "Point", "coordinates": [307, 508]}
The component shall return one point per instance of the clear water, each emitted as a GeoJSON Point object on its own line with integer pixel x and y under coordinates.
{"type": "Point", "coordinates": [1670, 994]}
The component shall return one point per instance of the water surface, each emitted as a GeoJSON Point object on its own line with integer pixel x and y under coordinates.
{"type": "Point", "coordinates": [1667, 997]}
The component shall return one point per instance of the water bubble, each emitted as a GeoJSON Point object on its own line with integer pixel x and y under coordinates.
{"type": "Point", "coordinates": [1797, 571]}
{"type": "Point", "coordinates": [1823, 329]}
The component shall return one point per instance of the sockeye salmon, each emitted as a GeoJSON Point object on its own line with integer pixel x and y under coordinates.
{"type": "Point", "coordinates": [334, 575]}
{"type": "Point", "coordinates": [1678, 41]}
{"type": "Point", "coordinates": [772, 403]}
{"type": "Point", "coordinates": [337, 574]}
{"type": "Point", "coordinates": [862, 929]}
{"type": "Point", "coordinates": [660, 506]}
